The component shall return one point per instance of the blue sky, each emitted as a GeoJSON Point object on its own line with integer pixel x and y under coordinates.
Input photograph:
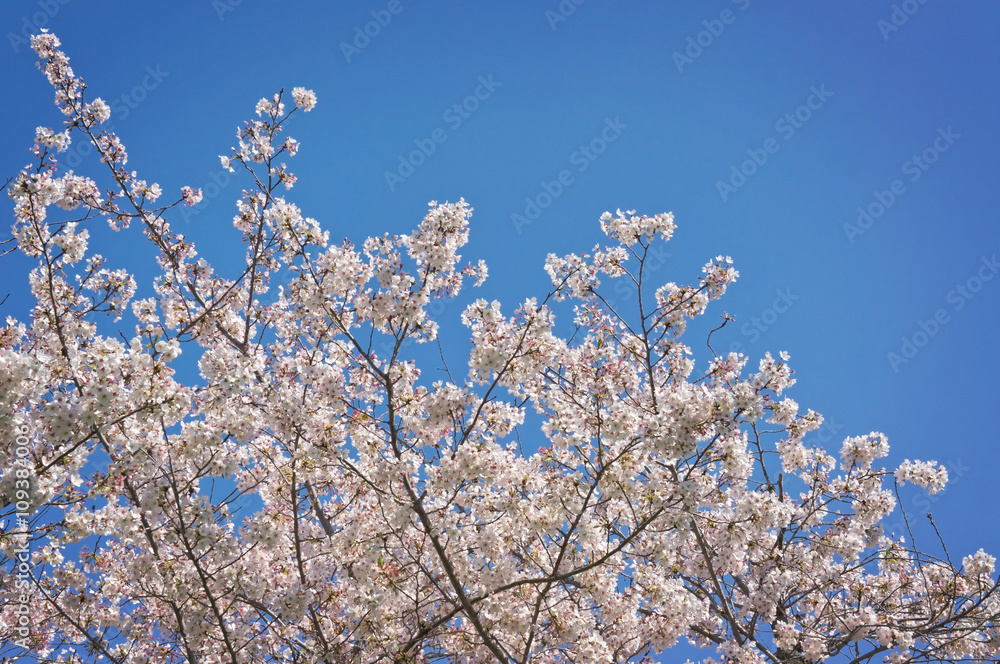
{"type": "Point", "coordinates": [764, 127]}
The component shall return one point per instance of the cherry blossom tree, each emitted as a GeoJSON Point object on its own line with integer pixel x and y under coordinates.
{"type": "Point", "coordinates": [397, 520]}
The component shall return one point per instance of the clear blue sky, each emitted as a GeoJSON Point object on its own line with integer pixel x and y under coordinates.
{"type": "Point", "coordinates": [847, 105]}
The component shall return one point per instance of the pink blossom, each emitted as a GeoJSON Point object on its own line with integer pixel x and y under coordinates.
{"type": "Point", "coordinates": [304, 99]}
{"type": "Point", "coordinates": [191, 196]}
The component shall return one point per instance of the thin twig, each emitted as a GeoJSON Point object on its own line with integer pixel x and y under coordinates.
{"type": "Point", "coordinates": [930, 517]}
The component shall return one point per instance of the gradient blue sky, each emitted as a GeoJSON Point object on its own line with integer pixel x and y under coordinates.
{"type": "Point", "coordinates": [891, 92]}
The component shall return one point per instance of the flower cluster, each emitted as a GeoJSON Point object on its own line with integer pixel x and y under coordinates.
{"type": "Point", "coordinates": [304, 99]}
{"type": "Point", "coordinates": [191, 196]}
{"type": "Point", "coordinates": [628, 229]}
{"type": "Point", "coordinates": [927, 474]}
{"type": "Point", "coordinates": [44, 136]}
